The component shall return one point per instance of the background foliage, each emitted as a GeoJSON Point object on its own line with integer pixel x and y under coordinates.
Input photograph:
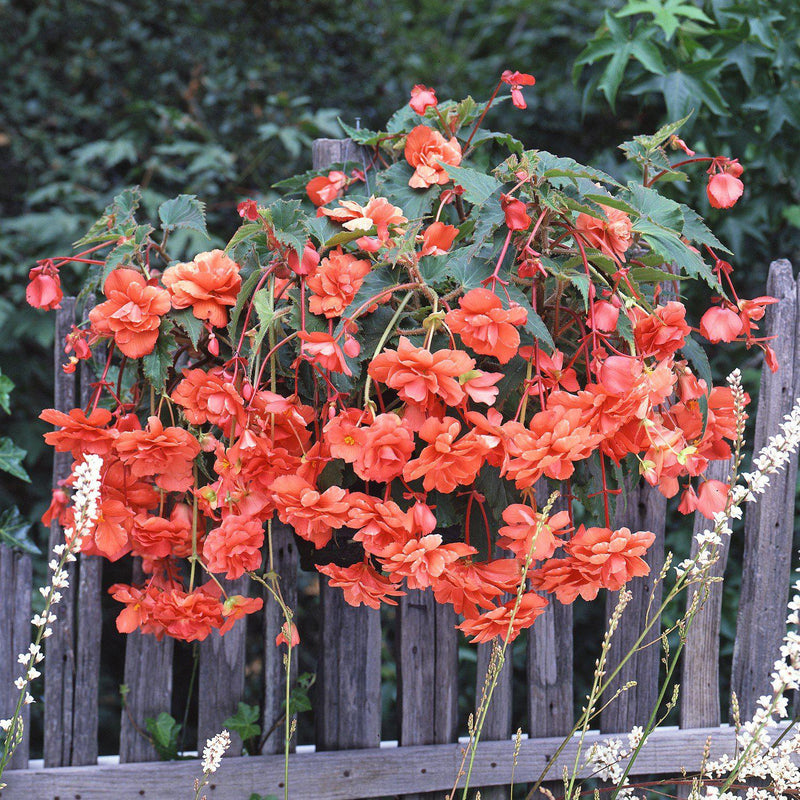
{"type": "Point", "coordinates": [222, 100]}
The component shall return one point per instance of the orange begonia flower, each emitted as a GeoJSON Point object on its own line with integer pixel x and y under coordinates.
{"type": "Point", "coordinates": [361, 584]}
{"type": "Point", "coordinates": [378, 213]}
{"type": "Point", "coordinates": [497, 621]}
{"type": "Point", "coordinates": [661, 333]}
{"type": "Point", "coordinates": [720, 324]}
{"type": "Point", "coordinates": [427, 150]}
{"type": "Point", "coordinates": [520, 533]}
{"type": "Point", "coordinates": [132, 313]}
{"type": "Point", "coordinates": [207, 285]}
{"type": "Point", "coordinates": [421, 560]}
{"type": "Point", "coordinates": [209, 397]}
{"type": "Point", "coordinates": [468, 586]}
{"type": "Point", "coordinates": [44, 287]}
{"type": "Point", "coordinates": [156, 537]}
{"type": "Point", "coordinates": [80, 434]}
{"type": "Point", "coordinates": [612, 236]}
{"type": "Point", "coordinates": [388, 444]}
{"type": "Point", "coordinates": [235, 546]}
{"type": "Point", "coordinates": [324, 188]}
{"type": "Point", "coordinates": [437, 239]}
{"type": "Point", "coordinates": [610, 558]}
{"type": "Point", "coordinates": [422, 98]}
{"type": "Point", "coordinates": [485, 326]}
{"type": "Point", "coordinates": [335, 283]}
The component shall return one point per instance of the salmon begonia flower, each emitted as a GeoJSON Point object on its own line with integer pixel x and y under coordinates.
{"type": "Point", "coordinates": [323, 349]}
{"type": "Point", "coordinates": [564, 578]}
{"type": "Point", "coordinates": [481, 386]}
{"type": "Point", "coordinates": [307, 264]}
{"type": "Point", "coordinates": [190, 616]}
{"type": "Point", "coordinates": [710, 499]}
{"type": "Point", "coordinates": [345, 433]}
{"type": "Point", "coordinates": [209, 397]}
{"type": "Point", "coordinates": [661, 333]}
{"type": "Point", "coordinates": [421, 560]}
{"type": "Point", "coordinates": [485, 326]}
{"type": "Point", "coordinates": [497, 621]}
{"type": "Point", "coordinates": [324, 188]}
{"type": "Point", "coordinates": [611, 236]}
{"type": "Point", "coordinates": [724, 187]}
{"type": "Point", "coordinates": [132, 313]}
{"type": "Point", "coordinates": [420, 377]}
{"type": "Point", "coordinates": [388, 444]}
{"type": "Point", "coordinates": [208, 285]}
{"type": "Point", "coordinates": [378, 213]}
{"type": "Point", "coordinates": [237, 607]}
{"type": "Point", "coordinates": [426, 151]}
{"type": "Point", "coordinates": [422, 98]}
{"type": "Point", "coordinates": [248, 209]}
{"type": "Point", "coordinates": [610, 558]}
{"type": "Point", "coordinates": [44, 288]}
{"type": "Point", "coordinates": [234, 547]}
{"type": "Point", "coordinates": [720, 324]}
{"type": "Point", "coordinates": [468, 586]}
{"type": "Point", "coordinates": [515, 80]}
{"type": "Point", "coordinates": [80, 434]}
{"type": "Point", "coordinates": [361, 584]}
{"type": "Point", "coordinates": [437, 239]}
{"type": "Point", "coordinates": [289, 635]}
{"type": "Point", "coordinates": [516, 213]}
{"type": "Point", "coordinates": [166, 453]}
{"type": "Point", "coordinates": [526, 533]}
{"type": "Point", "coordinates": [335, 282]}
{"type": "Point", "coordinates": [156, 537]}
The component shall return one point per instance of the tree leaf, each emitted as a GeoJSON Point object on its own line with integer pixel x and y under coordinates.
{"type": "Point", "coordinates": [11, 458]}
{"type": "Point", "coordinates": [190, 325]}
{"type": "Point", "coordinates": [164, 730]}
{"type": "Point", "coordinates": [183, 211]}
{"type": "Point", "coordinates": [156, 365]}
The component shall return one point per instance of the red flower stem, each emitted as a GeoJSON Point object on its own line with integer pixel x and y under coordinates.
{"type": "Point", "coordinates": [259, 285]}
{"type": "Point", "coordinates": [487, 529]}
{"type": "Point", "coordinates": [683, 163]}
{"type": "Point", "coordinates": [577, 239]}
{"type": "Point", "coordinates": [493, 279]}
{"type": "Point", "coordinates": [95, 399]}
{"type": "Point", "coordinates": [269, 355]}
{"type": "Point", "coordinates": [480, 119]}
{"type": "Point", "coordinates": [605, 489]}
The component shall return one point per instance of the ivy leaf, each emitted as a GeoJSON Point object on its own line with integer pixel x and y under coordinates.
{"type": "Point", "coordinates": [184, 211]}
{"type": "Point", "coordinates": [164, 730]}
{"type": "Point", "coordinates": [14, 530]}
{"type": "Point", "coordinates": [11, 459]}
{"type": "Point", "coordinates": [6, 387]}
{"type": "Point", "coordinates": [244, 722]}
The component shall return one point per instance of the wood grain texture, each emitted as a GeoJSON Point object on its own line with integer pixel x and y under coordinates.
{"type": "Point", "coordinates": [325, 152]}
{"type": "Point", "coordinates": [550, 658]}
{"type": "Point", "coordinates": [148, 676]}
{"type": "Point", "coordinates": [89, 625]}
{"type": "Point", "coordinates": [285, 563]}
{"type": "Point", "coordinates": [699, 699]}
{"type": "Point", "coordinates": [348, 688]}
{"type": "Point", "coordinates": [427, 672]}
{"type": "Point", "coordinates": [59, 663]}
{"type": "Point", "coordinates": [769, 523]}
{"type": "Point", "coordinates": [645, 510]}
{"type": "Point", "coordinates": [220, 679]}
{"type": "Point", "coordinates": [356, 774]}
{"type": "Point", "coordinates": [15, 636]}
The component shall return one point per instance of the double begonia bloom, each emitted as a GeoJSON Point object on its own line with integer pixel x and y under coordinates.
{"type": "Point", "coordinates": [323, 349]}
{"type": "Point", "coordinates": [388, 444]}
{"type": "Point", "coordinates": [611, 236]}
{"type": "Point", "coordinates": [661, 333]}
{"type": "Point", "coordinates": [345, 434]}
{"type": "Point", "coordinates": [422, 98]}
{"type": "Point", "coordinates": [378, 213]}
{"type": "Point", "coordinates": [420, 377]}
{"type": "Point", "coordinates": [80, 434]}
{"type": "Point", "coordinates": [361, 584]}
{"type": "Point", "coordinates": [132, 313]}
{"type": "Point", "coordinates": [166, 453]}
{"type": "Point", "coordinates": [485, 326]}
{"type": "Point", "coordinates": [156, 537]}
{"type": "Point", "coordinates": [426, 151]}
{"type": "Point", "coordinates": [335, 282]}
{"type": "Point", "coordinates": [209, 397]}
{"type": "Point", "coordinates": [526, 534]}
{"type": "Point", "coordinates": [324, 188]}
{"type": "Point", "coordinates": [421, 560]}
{"type": "Point", "coordinates": [208, 285]}
{"type": "Point", "coordinates": [496, 622]}
{"type": "Point", "coordinates": [610, 558]}
{"type": "Point", "coordinates": [44, 288]}
{"type": "Point", "coordinates": [234, 547]}
{"type": "Point", "coordinates": [467, 585]}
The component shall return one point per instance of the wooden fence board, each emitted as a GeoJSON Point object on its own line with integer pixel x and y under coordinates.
{"type": "Point", "coordinates": [89, 624]}
{"type": "Point", "coordinates": [16, 571]}
{"type": "Point", "coordinates": [357, 774]}
{"type": "Point", "coordinates": [699, 700]}
{"type": "Point", "coordinates": [286, 564]}
{"type": "Point", "coordinates": [645, 510]}
{"type": "Point", "coordinates": [59, 663]}
{"type": "Point", "coordinates": [220, 680]}
{"type": "Point", "coordinates": [148, 676]}
{"type": "Point", "coordinates": [769, 523]}
{"type": "Point", "coordinates": [348, 696]}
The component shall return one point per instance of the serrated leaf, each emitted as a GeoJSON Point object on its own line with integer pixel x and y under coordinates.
{"type": "Point", "coordinates": [286, 218]}
{"type": "Point", "coordinates": [625, 329]}
{"type": "Point", "coordinates": [662, 134]}
{"type": "Point", "coordinates": [190, 325]}
{"type": "Point", "coordinates": [118, 215]}
{"type": "Point", "coordinates": [320, 229]}
{"type": "Point", "coordinates": [244, 234]}
{"type": "Point", "coordinates": [361, 136]}
{"type": "Point", "coordinates": [345, 237]}
{"type": "Point", "coordinates": [243, 296]}
{"type": "Point", "coordinates": [11, 458]}
{"type": "Point", "coordinates": [695, 230]}
{"type": "Point", "coordinates": [184, 211]}
{"type": "Point", "coordinates": [156, 365]}
{"type": "Point", "coordinates": [513, 144]}
{"type": "Point", "coordinates": [653, 275]}
{"type": "Point", "coordinates": [697, 357]}
{"type": "Point", "coordinates": [14, 529]}
{"type": "Point", "coordinates": [654, 206]}
{"type": "Point", "coordinates": [392, 183]}
{"type": "Point", "coordinates": [549, 165]}
{"type": "Point", "coordinates": [478, 186]}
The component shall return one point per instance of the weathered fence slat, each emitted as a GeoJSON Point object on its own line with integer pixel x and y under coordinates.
{"type": "Point", "coordinates": [285, 558]}
{"type": "Point", "coordinates": [15, 597]}
{"type": "Point", "coordinates": [59, 664]}
{"type": "Point", "coordinates": [220, 680]}
{"type": "Point", "coordinates": [769, 523]}
{"type": "Point", "coordinates": [89, 619]}
{"type": "Point", "coordinates": [148, 676]}
{"type": "Point", "coordinates": [699, 701]}
{"type": "Point", "coordinates": [427, 672]}
{"type": "Point", "coordinates": [644, 510]}
{"type": "Point", "coordinates": [359, 774]}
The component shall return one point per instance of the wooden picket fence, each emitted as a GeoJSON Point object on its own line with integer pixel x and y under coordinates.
{"type": "Point", "coordinates": [349, 760]}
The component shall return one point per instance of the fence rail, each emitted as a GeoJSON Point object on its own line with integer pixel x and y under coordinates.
{"type": "Point", "coordinates": [348, 691]}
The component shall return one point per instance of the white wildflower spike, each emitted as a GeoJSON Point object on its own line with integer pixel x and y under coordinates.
{"type": "Point", "coordinates": [214, 750]}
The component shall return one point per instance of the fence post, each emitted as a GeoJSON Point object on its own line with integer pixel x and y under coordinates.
{"type": "Point", "coordinates": [769, 523]}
